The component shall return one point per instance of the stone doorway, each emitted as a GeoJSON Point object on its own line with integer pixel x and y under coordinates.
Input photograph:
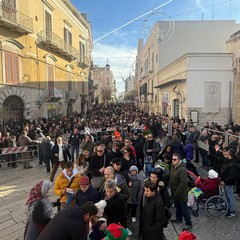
{"type": "Point", "coordinates": [14, 105]}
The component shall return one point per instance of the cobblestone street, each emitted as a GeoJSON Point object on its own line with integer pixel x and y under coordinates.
{"type": "Point", "coordinates": [15, 185]}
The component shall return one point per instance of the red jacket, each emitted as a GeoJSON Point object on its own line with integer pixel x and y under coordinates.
{"type": "Point", "coordinates": [209, 185]}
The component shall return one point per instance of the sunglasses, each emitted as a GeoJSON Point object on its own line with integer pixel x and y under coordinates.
{"type": "Point", "coordinates": [174, 159]}
{"type": "Point", "coordinates": [150, 137]}
{"type": "Point", "coordinates": [99, 151]}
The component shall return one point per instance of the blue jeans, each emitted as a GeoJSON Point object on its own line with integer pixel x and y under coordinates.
{"type": "Point", "coordinates": [230, 198]}
{"type": "Point", "coordinates": [73, 149]}
{"type": "Point", "coordinates": [182, 212]}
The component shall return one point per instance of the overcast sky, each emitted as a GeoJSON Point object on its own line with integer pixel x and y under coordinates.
{"type": "Point", "coordinates": [120, 47]}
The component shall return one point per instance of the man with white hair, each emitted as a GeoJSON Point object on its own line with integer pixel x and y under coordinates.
{"type": "Point", "coordinates": [120, 181]}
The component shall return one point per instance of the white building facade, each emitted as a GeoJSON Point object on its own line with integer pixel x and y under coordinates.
{"type": "Point", "coordinates": [191, 74]}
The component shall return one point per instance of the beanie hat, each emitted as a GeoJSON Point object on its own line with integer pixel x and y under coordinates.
{"type": "Point", "coordinates": [133, 168]}
{"type": "Point", "coordinates": [100, 206]}
{"type": "Point", "coordinates": [84, 180]}
{"type": "Point", "coordinates": [116, 232]}
{"type": "Point", "coordinates": [212, 174]}
{"type": "Point", "coordinates": [187, 236]}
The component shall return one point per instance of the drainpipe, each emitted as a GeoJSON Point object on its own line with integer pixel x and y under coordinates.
{"type": "Point", "coordinates": [230, 102]}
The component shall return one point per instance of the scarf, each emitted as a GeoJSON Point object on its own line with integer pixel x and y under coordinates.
{"type": "Point", "coordinates": [35, 193]}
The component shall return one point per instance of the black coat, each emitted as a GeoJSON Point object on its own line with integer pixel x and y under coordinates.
{"type": "Point", "coordinates": [229, 172]}
{"type": "Point", "coordinates": [116, 210]}
{"type": "Point", "coordinates": [47, 148]}
{"type": "Point", "coordinates": [152, 218]}
{"type": "Point", "coordinates": [67, 224]}
{"type": "Point", "coordinates": [90, 195]}
{"type": "Point", "coordinates": [97, 162]}
{"type": "Point", "coordinates": [138, 145]}
{"type": "Point", "coordinates": [66, 153]}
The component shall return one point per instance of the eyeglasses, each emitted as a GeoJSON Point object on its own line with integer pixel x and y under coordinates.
{"type": "Point", "coordinates": [150, 137]}
{"type": "Point", "coordinates": [99, 151]}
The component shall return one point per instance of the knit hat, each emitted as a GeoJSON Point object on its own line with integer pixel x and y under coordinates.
{"type": "Point", "coordinates": [187, 236]}
{"type": "Point", "coordinates": [84, 180]}
{"type": "Point", "coordinates": [100, 206]}
{"type": "Point", "coordinates": [116, 232]}
{"type": "Point", "coordinates": [212, 174]}
{"type": "Point", "coordinates": [133, 168]}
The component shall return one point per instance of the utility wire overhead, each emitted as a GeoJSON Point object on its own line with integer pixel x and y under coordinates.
{"type": "Point", "coordinates": [126, 24]}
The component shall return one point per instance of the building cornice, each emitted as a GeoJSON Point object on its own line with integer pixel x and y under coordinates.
{"type": "Point", "coordinates": [48, 5]}
{"type": "Point", "coordinates": [76, 13]}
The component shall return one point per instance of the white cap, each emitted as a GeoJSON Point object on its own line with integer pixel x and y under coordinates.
{"type": "Point", "coordinates": [212, 174]}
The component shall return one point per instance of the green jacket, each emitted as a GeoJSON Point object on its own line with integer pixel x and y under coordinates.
{"type": "Point", "coordinates": [179, 183]}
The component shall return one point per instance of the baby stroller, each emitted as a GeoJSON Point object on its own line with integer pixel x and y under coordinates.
{"type": "Point", "coordinates": [215, 205]}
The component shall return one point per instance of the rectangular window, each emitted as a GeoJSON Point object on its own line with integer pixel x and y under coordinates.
{"type": "Point", "coordinates": [67, 36]}
{"type": "Point", "coordinates": [12, 68]}
{"type": "Point", "coordinates": [50, 78]}
{"type": "Point", "coordinates": [48, 25]}
{"type": "Point", "coordinates": [82, 52]}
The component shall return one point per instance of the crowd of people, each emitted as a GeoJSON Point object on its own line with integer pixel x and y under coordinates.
{"type": "Point", "coordinates": [127, 170]}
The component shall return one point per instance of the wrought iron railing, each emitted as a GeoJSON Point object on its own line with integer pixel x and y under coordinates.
{"type": "Point", "coordinates": [84, 60]}
{"type": "Point", "coordinates": [10, 14]}
{"type": "Point", "coordinates": [60, 43]}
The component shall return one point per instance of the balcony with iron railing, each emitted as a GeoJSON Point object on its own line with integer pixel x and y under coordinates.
{"type": "Point", "coordinates": [57, 44]}
{"type": "Point", "coordinates": [14, 20]}
{"type": "Point", "coordinates": [83, 61]}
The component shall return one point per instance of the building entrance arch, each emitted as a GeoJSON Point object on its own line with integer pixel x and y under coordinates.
{"type": "Point", "coordinates": [14, 105]}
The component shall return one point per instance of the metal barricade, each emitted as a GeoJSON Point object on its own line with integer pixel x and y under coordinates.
{"type": "Point", "coordinates": [11, 155]}
{"type": "Point", "coordinates": [225, 134]}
